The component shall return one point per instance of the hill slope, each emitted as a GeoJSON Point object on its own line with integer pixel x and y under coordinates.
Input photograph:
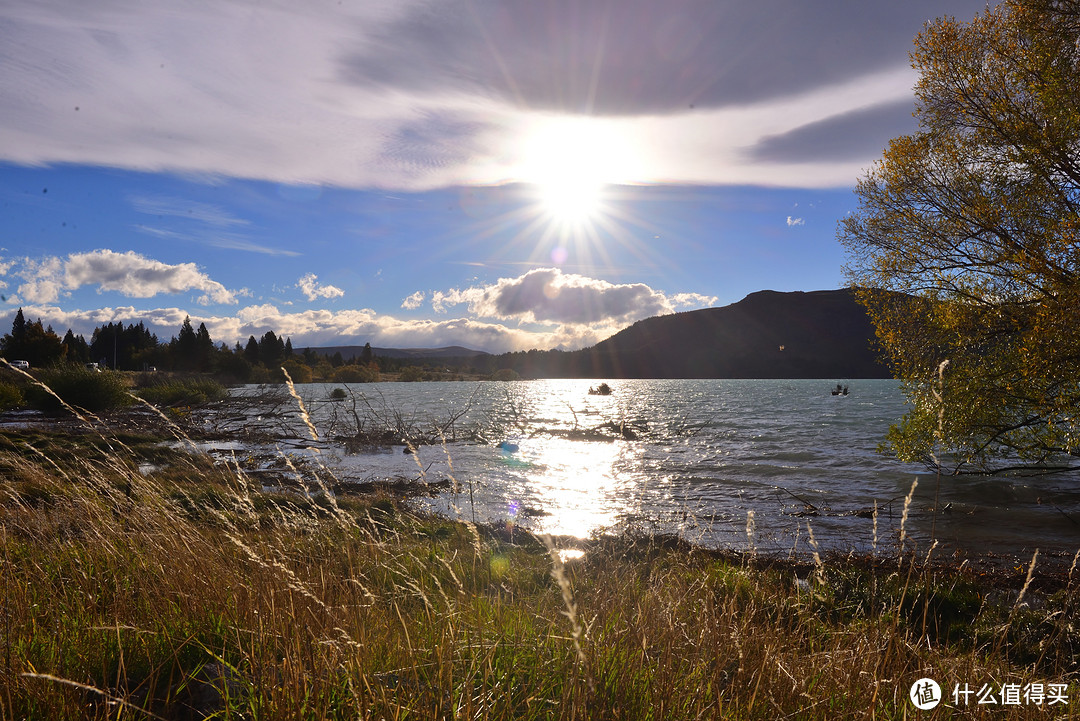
{"type": "Point", "coordinates": [818, 334]}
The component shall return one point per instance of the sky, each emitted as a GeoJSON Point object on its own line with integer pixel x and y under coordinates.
{"type": "Point", "coordinates": [496, 174]}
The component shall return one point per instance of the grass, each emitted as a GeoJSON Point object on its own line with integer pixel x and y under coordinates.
{"type": "Point", "coordinates": [183, 592]}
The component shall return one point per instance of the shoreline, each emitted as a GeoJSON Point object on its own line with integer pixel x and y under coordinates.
{"type": "Point", "coordinates": [191, 432]}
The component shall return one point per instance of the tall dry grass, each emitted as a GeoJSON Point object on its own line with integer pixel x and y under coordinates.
{"type": "Point", "coordinates": [145, 582]}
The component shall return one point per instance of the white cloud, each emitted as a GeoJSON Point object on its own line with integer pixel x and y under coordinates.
{"type": "Point", "coordinates": [693, 300]}
{"type": "Point", "coordinates": [129, 274]}
{"type": "Point", "coordinates": [312, 289]}
{"type": "Point", "coordinates": [792, 221]}
{"type": "Point", "coordinates": [547, 295]}
{"type": "Point", "coordinates": [44, 280]}
{"type": "Point", "coordinates": [413, 301]}
{"type": "Point", "coordinates": [544, 308]}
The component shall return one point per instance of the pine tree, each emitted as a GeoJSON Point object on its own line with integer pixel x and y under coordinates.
{"type": "Point", "coordinates": [251, 351]}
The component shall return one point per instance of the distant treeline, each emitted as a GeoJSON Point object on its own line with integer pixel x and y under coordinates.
{"type": "Point", "coordinates": [134, 348]}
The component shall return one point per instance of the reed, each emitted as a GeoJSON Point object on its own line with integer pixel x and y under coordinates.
{"type": "Point", "coordinates": [184, 592]}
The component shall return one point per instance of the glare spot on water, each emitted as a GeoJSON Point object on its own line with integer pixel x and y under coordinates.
{"type": "Point", "coordinates": [570, 554]}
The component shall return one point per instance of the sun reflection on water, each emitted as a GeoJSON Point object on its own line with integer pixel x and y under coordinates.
{"type": "Point", "coordinates": [576, 484]}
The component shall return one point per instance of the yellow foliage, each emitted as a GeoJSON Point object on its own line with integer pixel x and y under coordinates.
{"type": "Point", "coordinates": [964, 244]}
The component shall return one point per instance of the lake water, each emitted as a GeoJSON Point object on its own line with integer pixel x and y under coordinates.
{"type": "Point", "coordinates": [692, 457]}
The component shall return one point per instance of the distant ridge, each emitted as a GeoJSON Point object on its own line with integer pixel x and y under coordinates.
{"type": "Point", "coordinates": [768, 334]}
{"type": "Point", "coordinates": [348, 352]}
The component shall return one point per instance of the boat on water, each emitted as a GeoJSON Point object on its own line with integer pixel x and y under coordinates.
{"type": "Point", "coordinates": [840, 390]}
{"type": "Point", "coordinates": [601, 390]}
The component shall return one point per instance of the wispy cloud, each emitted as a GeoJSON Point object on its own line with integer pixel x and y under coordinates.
{"type": "Point", "coordinates": [186, 209]}
{"type": "Point", "coordinates": [792, 221]}
{"type": "Point", "coordinates": [201, 223]}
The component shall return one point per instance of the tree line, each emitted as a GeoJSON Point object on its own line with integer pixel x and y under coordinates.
{"type": "Point", "coordinates": [135, 348]}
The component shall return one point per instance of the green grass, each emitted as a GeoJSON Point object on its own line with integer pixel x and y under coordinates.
{"type": "Point", "coordinates": [126, 593]}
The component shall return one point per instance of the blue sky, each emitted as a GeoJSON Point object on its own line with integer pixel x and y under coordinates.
{"type": "Point", "coordinates": [499, 175]}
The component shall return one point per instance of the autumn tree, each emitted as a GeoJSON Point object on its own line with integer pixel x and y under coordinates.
{"type": "Point", "coordinates": [965, 244]}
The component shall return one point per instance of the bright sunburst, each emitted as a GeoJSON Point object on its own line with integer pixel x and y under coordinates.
{"type": "Point", "coordinates": [571, 160]}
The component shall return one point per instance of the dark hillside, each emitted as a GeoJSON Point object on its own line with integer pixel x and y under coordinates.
{"type": "Point", "coordinates": [819, 334]}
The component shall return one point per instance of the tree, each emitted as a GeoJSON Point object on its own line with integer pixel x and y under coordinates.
{"type": "Point", "coordinates": [18, 326]}
{"type": "Point", "coordinates": [77, 350]}
{"type": "Point", "coordinates": [271, 350]}
{"type": "Point", "coordinates": [204, 348]}
{"type": "Point", "coordinates": [119, 347]}
{"type": "Point", "coordinates": [184, 347]}
{"type": "Point", "coordinates": [251, 351]}
{"type": "Point", "coordinates": [966, 243]}
{"type": "Point", "coordinates": [32, 342]}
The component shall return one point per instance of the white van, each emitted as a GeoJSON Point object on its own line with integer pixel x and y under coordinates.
{"type": "Point", "coordinates": [20, 364]}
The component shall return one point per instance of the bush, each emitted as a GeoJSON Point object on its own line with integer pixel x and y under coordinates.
{"type": "Point", "coordinates": [357, 373]}
{"type": "Point", "coordinates": [411, 374]}
{"type": "Point", "coordinates": [505, 374]}
{"type": "Point", "coordinates": [86, 389]}
{"type": "Point", "coordinates": [11, 396]}
{"type": "Point", "coordinates": [298, 372]}
{"type": "Point", "coordinates": [183, 392]}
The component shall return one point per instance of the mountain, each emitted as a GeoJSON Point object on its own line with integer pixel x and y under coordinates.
{"type": "Point", "coordinates": [818, 334]}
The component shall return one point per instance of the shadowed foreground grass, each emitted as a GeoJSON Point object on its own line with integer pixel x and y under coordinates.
{"type": "Point", "coordinates": [137, 582]}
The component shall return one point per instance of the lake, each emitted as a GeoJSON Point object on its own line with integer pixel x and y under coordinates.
{"type": "Point", "coordinates": [722, 463]}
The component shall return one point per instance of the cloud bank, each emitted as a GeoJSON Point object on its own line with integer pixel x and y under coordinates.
{"type": "Point", "coordinates": [547, 295]}
{"type": "Point", "coordinates": [546, 309]}
{"type": "Point", "coordinates": [418, 94]}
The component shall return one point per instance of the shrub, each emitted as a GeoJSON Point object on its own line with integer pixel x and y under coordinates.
{"type": "Point", "coordinates": [183, 392]}
{"type": "Point", "coordinates": [505, 374]}
{"type": "Point", "coordinates": [357, 373]}
{"type": "Point", "coordinates": [411, 374]}
{"type": "Point", "coordinates": [11, 396]}
{"type": "Point", "coordinates": [79, 387]}
{"type": "Point", "coordinates": [298, 372]}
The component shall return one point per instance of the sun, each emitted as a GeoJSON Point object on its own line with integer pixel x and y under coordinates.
{"type": "Point", "coordinates": [571, 162]}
